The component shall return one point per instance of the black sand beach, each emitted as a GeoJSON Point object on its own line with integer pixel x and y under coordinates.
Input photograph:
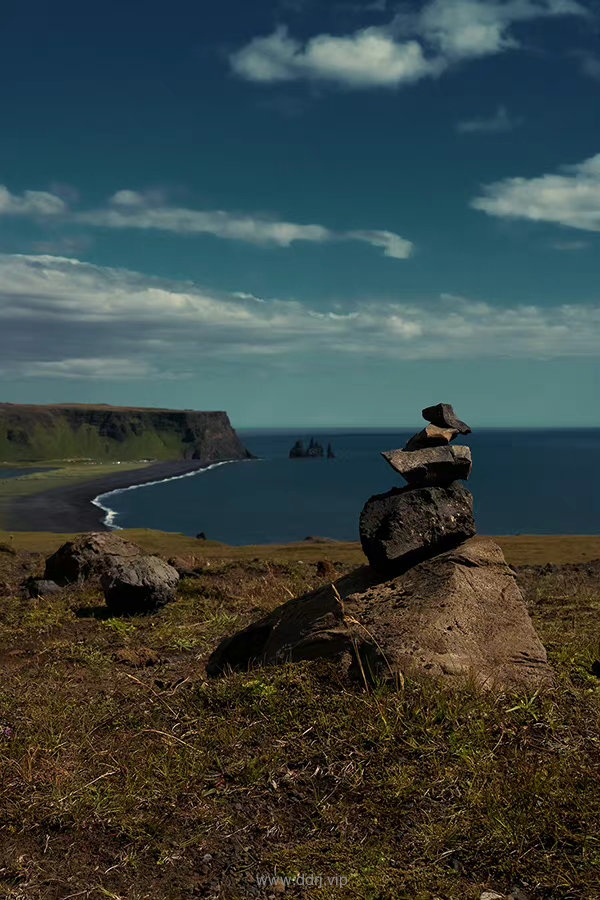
{"type": "Point", "coordinates": [70, 509]}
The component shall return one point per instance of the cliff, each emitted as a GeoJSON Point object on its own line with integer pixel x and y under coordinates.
{"type": "Point", "coordinates": [37, 433]}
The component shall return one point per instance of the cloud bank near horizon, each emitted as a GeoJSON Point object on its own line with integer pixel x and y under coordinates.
{"type": "Point", "coordinates": [124, 325]}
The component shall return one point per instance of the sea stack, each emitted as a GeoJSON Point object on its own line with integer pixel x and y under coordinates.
{"type": "Point", "coordinates": [434, 601]}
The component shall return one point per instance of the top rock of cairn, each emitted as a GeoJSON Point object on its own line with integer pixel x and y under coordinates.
{"type": "Point", "coordinates": [427, 459]}
{"type": "Point", "coordinates": [443, 416]}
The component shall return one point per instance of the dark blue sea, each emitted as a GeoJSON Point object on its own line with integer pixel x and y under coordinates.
{"type": "Point", "coordinates": [524, 482]}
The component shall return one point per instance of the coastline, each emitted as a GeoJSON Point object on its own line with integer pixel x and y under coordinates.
{"type": "Point", "coordinates": [74, 508]}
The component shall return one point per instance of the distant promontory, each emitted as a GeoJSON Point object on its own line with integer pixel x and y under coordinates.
{"type": "Point", "coordinates": [312, 450]}
{"type": "Point", "coordinates": [31, 433]}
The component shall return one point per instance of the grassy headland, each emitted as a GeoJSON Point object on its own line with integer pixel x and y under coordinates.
{"type": "Point", "coordinates": [101, 432]}
{"type": "Point", "coordinates": [124, 773]}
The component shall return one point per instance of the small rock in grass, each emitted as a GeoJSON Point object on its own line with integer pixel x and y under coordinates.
{"type": "Point", "coordinates": [139, 585]}
{"type": "Point", "coordinates": [87, 556]}
{"type": "Point", "coordinates": [39, 587]}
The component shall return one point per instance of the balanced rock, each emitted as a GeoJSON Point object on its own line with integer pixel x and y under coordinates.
{"type": "Point", "coordinates": [444, 416]}
{"type": "Point", "coordinates": [432, 436]}
{"type": "Point", "coordinates": [87, 556]}
{"type": "Point", "coordinates": [437, 465]}
{"type": "Point", "coordinates": [459, 617]}
{"type": "Point", "coordinates": [139, 585]}
{"type": "Point", "coordinates": [406, 525]}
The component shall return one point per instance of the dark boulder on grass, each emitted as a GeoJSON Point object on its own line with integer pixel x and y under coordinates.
{"type": "Point", "coordinates": [459, 617]}
{"type": "Point", "coordinates": [444, 416]}
{"type": "Point", "coordinates": [87, 557]}
{"type": "Point", "coordinates": [406, 525]}
{"type": "Point", "coordinates": [39, 587]}
{"type": "Point", "coordinates": [138, 585]}
{"type": "Point", "coordinates": [433, 466]}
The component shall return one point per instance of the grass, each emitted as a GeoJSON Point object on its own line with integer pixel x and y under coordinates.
{"type": "Point", "coordinates": [520, 550]}
{"type": "Point", "coordinates": [138, 782]}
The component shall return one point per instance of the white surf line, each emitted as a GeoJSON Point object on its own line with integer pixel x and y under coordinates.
{"type": "Point", "coordinates": [110, 515]}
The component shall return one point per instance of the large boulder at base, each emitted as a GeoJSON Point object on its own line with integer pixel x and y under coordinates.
{"type": "Point", "coordinates": [431, 436]}
{"type": "Point", "coordinates": [139, 585]}
{"type": "Point", "coordinates": [443, 416]}
{"type": "Point", "coordinates": [459, 617]}
{"type": "Point", "coordinates": [87, 556]}
{"type": "Point", "coordinates": [406, 525]}
{"type": "Point", "coordinates": [435, 465]}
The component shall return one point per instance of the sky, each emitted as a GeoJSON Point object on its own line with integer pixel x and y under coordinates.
{"type": "Point", "coordinates": [305, 212]}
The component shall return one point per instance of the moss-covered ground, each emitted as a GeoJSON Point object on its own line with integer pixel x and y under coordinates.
{"type": "Point", "coordinates": [126, 774]}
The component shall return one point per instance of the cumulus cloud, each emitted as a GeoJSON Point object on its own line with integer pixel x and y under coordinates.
{"type": "Point", "coordinates": [413, 46]}
{"type": "Point", "coordinates": [61, 318]}
{"type": "Point", "coordinates": [496, 124]}
{"type": "Point", "coordinates": [369, 58]}
{"type": "Point", "coordinates": [571, 198]}
{"type": "Point", "coordinates": [30, 203]}
{"type": "Point", "coordinates": [131, 209]}
{"type": "Point", "coordinates": [466, 29]}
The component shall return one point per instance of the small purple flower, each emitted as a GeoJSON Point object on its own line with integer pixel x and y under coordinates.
{"type": "Point", "coordinates": [6, 731]}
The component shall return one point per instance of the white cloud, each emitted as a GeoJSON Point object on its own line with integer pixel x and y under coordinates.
{"type": "Point", "coordinates": [463, 29]}
{"type": "Point", "coordinates": [499, 122]}
{"type": "Point", "coordinates": [64, 319]}
{"type": "Point", "coordinates": [149, 210]}
{"type": "Point", "coordinates": [571, 199]}
{"type": "Point", "coordinates": [106, 368]}
{"type": "Point", "coordinates": [31, 203]}
{"type": "Point", "coordinates": [130, 209]}
{"type": "Point", "coordinates": [392, 244]}
{"type": "Point", "coordinates": [369, 58]}
{"type": "Point", "coordinates": [412, 47]}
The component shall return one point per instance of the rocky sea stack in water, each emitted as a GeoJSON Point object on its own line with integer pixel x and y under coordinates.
{"type": "Point", "coordinates": [313, 450]}
{"type": "Point", "coordinates": [434, 600]}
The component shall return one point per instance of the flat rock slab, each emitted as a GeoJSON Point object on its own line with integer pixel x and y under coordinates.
{"type": "Point", "coordinates": [87, 556]}
{"type": "Point", "coordinates": [406, 525]}
{"type": "Point", "coordinates": [433, 466]}
{"type": "Point", "coordinates": [431, 436]}
{"type": "Point", "coordinates": [459, 617]}
{"type": "Point", "coordinates": [444, 416]}
{"type": "Point", "coordinates": [139, 585]}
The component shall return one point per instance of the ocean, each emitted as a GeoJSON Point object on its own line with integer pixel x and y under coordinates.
{"type": "Point", "coordinates": [523, 481]}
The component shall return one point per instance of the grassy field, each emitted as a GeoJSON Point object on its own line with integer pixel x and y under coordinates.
{"type": "Point", "coordinates": [125, 774]}
{"type": "Point", "coordinates": [519, 550]}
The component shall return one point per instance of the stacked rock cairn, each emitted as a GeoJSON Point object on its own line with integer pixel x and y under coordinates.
{"type": "Point", "coordinates": [434, 513]}
{"type": "Point", "coordinates": [434, 600]}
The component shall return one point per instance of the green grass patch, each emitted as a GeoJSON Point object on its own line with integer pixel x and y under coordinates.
{"type": "Point", "coordinates": [125, 773]}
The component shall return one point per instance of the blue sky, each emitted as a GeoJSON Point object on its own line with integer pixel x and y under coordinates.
{"type": "Point", "coordinates": [303, 212]}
